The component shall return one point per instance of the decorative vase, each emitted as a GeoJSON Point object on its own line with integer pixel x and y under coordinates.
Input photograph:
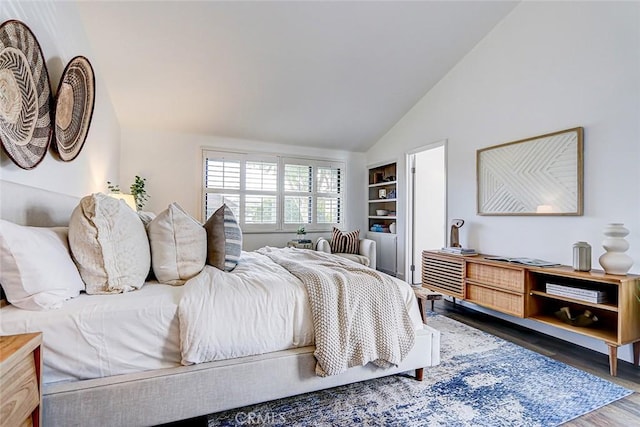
{"type": "Point", "coordinates": [581, 256]}
{"type": "Point", "coordinates": [614, 260]}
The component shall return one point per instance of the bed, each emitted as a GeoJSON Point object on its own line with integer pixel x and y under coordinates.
{"type": "Point", "coordinates": [137, 378]}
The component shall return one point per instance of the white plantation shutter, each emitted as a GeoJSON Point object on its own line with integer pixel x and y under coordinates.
{"type": "Point", "coordinates": [222, 184]}
{"type": "Point", "coordinates": [261, 184]}
{"type": "Point", "coordinates": [328, 211]}
{"type": "Point", "coordinates": [298, 192]}
{"type": "Point", "coordinates": [262, 176]}
{"type": "Point", "coordinates": [214, 200]}
{"type": "Point", "coordinates": [273, 193]}
{"type": "Point", "coordinates": [223, 174]}
{"type": "Point", "coordinates": [328, 179]}
{"type": "Point", "coordinates": [329, 197]}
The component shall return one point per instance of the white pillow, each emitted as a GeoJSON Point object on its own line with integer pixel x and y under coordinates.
{"type": "Point", "coordinates": [146, 217]}
{"type": "Point", "coordinates": [36, 269]}
{"type": "Point", "coordinates": [178, 245]}
{"type": "Point", "coordinates": [109, 244]}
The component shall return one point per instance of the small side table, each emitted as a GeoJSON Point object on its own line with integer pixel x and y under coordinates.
{"type": "Point", "coordinates": [424, 295]}
{"type": "Point", "coordinates": [295, 244]}
{"type": "Point", "coordinates": [20, 376]}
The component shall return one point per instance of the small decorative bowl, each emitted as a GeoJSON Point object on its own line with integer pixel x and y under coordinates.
{"type": "Point", "coordinates": [382, 212]}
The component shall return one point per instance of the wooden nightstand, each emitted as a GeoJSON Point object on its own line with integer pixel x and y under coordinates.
{"type": "Point", "coordinates": [21, 379]}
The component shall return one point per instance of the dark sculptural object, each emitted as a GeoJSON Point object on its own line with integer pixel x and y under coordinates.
{"type": "Point", "coordinates": [454, 239]}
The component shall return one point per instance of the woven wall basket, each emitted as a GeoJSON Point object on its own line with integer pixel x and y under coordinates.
{"type": "Point", "coordinates": [74, 107]}
{"type": "Point", "coordinates": [25, 96]}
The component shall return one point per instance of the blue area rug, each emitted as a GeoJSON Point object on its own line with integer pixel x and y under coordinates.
{"type": "Point", "coordinates": [482, 380]}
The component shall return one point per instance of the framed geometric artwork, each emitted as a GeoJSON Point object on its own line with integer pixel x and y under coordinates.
{"type": "Point", "coordinates": [542, 175]}
{"type": "Point", "coordinates": [25, 96]}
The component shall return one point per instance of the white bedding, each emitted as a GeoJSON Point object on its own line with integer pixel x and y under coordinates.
{"type": "Point", "coordinates": [260, 308]}
{"type": "Point", "coordinates": [94, 336]}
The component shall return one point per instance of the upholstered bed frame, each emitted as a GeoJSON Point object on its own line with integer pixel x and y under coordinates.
{"type": "Point", "coordinates": [165, 395]}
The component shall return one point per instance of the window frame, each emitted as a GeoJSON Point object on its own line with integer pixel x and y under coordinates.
{"type": "Point", "coordinates": [281, 160]}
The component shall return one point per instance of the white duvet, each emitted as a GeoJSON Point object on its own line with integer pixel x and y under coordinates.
{"type": "Point", "coordinates": [259, 308]}
{"type": "Point", "coordinates": [267, 306]}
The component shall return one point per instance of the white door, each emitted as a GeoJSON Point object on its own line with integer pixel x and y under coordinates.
{"type": "Point", "coordinates": [427, 205]}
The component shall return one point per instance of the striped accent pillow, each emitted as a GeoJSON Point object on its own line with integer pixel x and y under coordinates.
{"type": "Point", "coordinates": [345, 243]}
{"type": "Point", "coordinates": [233, 240]}
{"type": "Point", "coordinates": [215, 239]}
{"type": "Point", "coordinates": [336, 243]}
{"type": "Point", "coordinates": [224, 239]}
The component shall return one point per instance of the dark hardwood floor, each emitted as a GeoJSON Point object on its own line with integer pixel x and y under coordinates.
{"type": "Point", "coordinates": [624, 412]}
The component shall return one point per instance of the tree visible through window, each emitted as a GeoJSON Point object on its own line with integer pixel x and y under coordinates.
{"type": "Point", "coordinates": [272, 193]}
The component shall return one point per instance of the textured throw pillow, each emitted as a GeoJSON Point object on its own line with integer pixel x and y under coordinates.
{"type": "Point", "coordinates": [37, 272]}
{"type": "Point", "coordinates": [345, 243]}
{"type": "Point", "coordinates": [224, 239]}
{"type": "Point", "coordinates": [109, 245]}
{"type": "Point", "coordinates": [146, 217]}
{"type": "Point", "coordinates": [215, 239]}
{"type": "Point", "coordinates": [178, 246]}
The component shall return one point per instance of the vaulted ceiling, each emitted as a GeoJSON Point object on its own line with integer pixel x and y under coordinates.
{"type": "Point", "coordinates": [324, 74]}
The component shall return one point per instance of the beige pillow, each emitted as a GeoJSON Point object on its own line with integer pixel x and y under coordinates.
{"type": "Point", "coordinates": [178, 245]}
{"type": "Point", "coordinates": [109, 245]}
{"type": "Point", "coordinates": [146, 217]}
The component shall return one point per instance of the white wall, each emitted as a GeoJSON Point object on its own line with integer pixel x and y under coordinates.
{"type": "Point", "coordinates": [172, 165]}
{"type": "Point", "coordinates": [59, 30]}
{"type": "Point", "coordinates": [547, 66]}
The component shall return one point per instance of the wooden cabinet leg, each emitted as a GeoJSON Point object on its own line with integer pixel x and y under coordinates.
{"type": "Point", "coordinates": [636, 353]}
{"type": "Point", "coordinates": [422, 313]}
{"type": "Point", "coordinates": [613, 360]}
{"type": "Point", "coordinates": [419, 374]}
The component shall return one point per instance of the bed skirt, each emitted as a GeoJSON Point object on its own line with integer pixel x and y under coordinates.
{"type": "Point", "coordinates": [167, 395]}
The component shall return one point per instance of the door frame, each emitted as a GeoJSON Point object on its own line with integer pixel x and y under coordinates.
{"type": "Point", "coordinates": [408, 202]}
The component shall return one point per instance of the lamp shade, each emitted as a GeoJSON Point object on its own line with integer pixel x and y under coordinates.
{"type": "Point", "coordinates": [128, 198]}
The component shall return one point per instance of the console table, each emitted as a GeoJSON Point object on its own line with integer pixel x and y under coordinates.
{"type": "Point", "coordinates": [521, 291]}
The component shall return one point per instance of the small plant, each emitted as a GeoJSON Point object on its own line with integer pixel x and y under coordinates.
{"type": "Point", "coordinates": [137, 190]}
{"type": "Point", "coordinates": [301, 230]}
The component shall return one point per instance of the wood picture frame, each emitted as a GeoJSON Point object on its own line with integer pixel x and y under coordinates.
{"type": "Point", "coordinates": [542, 175]}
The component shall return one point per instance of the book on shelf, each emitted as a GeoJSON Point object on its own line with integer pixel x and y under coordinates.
{"type": "Point", "coordinates": [532, 262]}
{"type": "Point", "coordinates": [588, 295]}
{"type": "Point", "coordinates": [459, 250]}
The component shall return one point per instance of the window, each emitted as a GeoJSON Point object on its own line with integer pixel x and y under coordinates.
{"type": "Point", "coordinates": [274, 193]}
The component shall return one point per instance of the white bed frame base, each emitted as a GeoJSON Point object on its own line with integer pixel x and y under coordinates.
{"type": "Point", "coordinates": [166, 395]}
